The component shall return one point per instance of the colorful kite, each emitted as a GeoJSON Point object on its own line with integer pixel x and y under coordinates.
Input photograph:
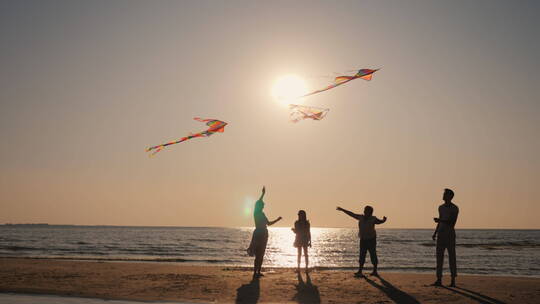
{"type": "Point", "coordinates": [304, 112]}
{"type": "Point", "coordinates": [214, 126]}
{"type": "Point", "coordinates": [365, 74]}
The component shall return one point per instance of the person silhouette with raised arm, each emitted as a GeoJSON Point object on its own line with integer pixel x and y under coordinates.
{"type": "Point", "coordinates": [259, 239]}
{"type": "Point", "coordinates": [368, 237]}
{"type": "Point", "coordinates": [446, 236]}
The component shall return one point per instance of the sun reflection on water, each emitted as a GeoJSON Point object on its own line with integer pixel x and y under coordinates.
{"type": "Point", "coordinates": [281, 252]}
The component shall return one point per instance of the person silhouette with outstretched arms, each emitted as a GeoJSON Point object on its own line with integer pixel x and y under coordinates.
{"type": "Point", "coordinates": [368, 237]}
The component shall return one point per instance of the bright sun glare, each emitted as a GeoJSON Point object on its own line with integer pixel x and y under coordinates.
{"type": "Point", "coordinates": [288, 87]}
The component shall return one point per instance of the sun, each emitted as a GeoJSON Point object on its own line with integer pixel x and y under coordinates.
{"type": "Point", "coordinates": [288, 88]}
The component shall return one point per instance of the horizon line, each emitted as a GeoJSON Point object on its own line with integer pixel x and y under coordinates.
{"type": "Point", "coordinates": [243, 227]}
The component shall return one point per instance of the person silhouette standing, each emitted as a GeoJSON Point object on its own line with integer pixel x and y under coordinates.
{"type": "Point", "coordinates": [368, 237]}
{"type": "Point", "coordinates": [446, 236]}
{"type": "Point", "coordinates": [259, 239]}
{"type": "Point", "coordinates": [302, 239]}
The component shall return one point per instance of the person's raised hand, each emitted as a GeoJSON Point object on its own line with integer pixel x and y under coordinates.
{"type": "Point", "coordinates": [264, 190]}
{"type": "Point", "coordinates": [384, 218]}
{"type": "Point", "coordinates": [339, 209]}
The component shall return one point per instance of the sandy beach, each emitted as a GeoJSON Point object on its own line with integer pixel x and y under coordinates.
{"type": "Point", "coordinates": [169, 282]}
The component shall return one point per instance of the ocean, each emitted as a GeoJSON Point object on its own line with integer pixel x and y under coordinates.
{"type": "Point", "coordinates": [489, 252]}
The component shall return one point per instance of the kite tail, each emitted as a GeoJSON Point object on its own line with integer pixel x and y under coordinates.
{"type": "Point", "coordinates": [161, 147]}
{"type": "Point", "coordinates": [157, 149]}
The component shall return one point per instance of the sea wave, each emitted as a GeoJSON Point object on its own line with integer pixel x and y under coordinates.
{"type": "Point", "coordinates": [493, 245]}
{"type": "Point", "coordinates": [21, 248]}
{"type": "Point", "coordinates": [510, 251]}
{"type": "Point", "coordinates": [126, 259]}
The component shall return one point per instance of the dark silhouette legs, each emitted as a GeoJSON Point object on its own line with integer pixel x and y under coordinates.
{"type": "Point", "coordinates": [371, 247]}
{"type": "Point", "coordinates": [441, 247]}
{"type": "Point", "coordinates": [440, 259]}
{"type": "Point", "coordinates": [257, 265]}
{"type": "Point", "coordinates": [260, 241]}
{"type": "Point", "coordinates": [306, 256]}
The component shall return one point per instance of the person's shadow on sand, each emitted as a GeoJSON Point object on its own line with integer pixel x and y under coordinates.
{"type": "Point", "coordinates": [248, 293]}
{"type": "Point", "coordinates": [306, 292]}
{"type": "Point", "coordinates": [473, 295]}
{"type": "Point", "coordinates": [395, 294]}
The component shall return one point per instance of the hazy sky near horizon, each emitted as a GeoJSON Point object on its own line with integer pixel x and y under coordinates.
{"type": "Point", "coordinates": [86, 86]}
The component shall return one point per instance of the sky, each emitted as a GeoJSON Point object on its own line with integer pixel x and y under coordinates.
{"type": "Point", "coordinates": [86, 86]}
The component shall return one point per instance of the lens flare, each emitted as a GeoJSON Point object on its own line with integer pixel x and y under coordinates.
{"type": "Point", "coordinates": [248, 206]}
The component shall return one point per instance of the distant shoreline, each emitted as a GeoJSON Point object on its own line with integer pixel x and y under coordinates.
{"type": "Point", "coordinates": [30, 224]}
{"type": "Point", "coordinates": [237, 227]}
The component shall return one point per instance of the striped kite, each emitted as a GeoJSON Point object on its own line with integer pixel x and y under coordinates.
{"type": "Point", "coordinates": [304, 112]}
{"type": "Point", "coordinates": [365, 74]}
{"type": "Point", "coordinates": [214, 126]}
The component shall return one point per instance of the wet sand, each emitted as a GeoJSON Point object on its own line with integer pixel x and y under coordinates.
{"type": "Point", "coordinates": [172, 282]}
